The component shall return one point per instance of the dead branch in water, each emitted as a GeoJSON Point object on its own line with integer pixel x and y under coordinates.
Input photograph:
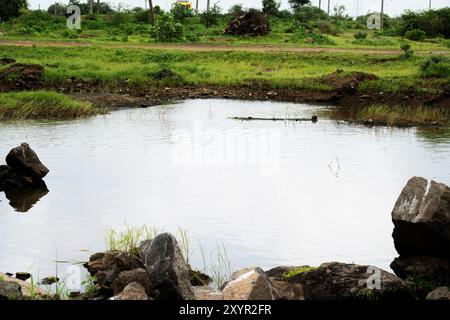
{"type": "Point", "coordinates": [313, 119]}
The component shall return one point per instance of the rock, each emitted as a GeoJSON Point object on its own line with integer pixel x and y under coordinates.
{"type": "Point", "coordinates": [25, 161]}
{"type": "Point", "coordinates": [288, 291]}
{"type": "Point", "coordinates": [21, 76]}
{"type": "Point", "coordinates": [249, 284]}
{"type": "Point", "coordinates": [167, 270]}
{"type": "Point", "coordinates": [314, 118]}
{"type": "Point", "coordinates": [124, 278]}
{"type": "Point", "coordinates": [421, 218]}
{"type": "Point", "coordinates": [278, 273]}
{"type": "Point", "coordinates": [441, 293]}
{"type": "Point", "coordinates": [133, 291]}
{"type": "Point", "coordinates": [428, 272]}
{"type": "Point", "coordinates": [23, 276]}
{"type": "Point", "coordinates": [340, 281]}
{"type": "Point", "coordinates": [10, 291]}
{"type": "Point", "coordinates": [49, 281]}
{"type": "Point", "coordinates": [207, 293]}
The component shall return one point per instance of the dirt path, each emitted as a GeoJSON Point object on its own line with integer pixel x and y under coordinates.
{"type": "Point", "coordinates": [209, 47]}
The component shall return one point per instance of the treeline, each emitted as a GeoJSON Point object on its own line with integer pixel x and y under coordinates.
{"type": "Point", "coordinates": [179, 22]}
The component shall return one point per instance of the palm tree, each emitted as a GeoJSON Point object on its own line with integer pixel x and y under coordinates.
{"type": "Point", "coordinates": [91, 6]}
{"type": "Point", "coordinates": [328, 7]}
{"type": "Point", "coordinates": [98, 6]}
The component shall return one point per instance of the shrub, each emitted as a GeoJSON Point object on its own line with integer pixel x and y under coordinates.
{"type": "Point", "coordinates": [407, 52]}
{"type": "Point", "coordinates": [211, 17]}
{"type": "Point", "coordinates": [326, 27]}
{"type": "Point", "coordinates": [167, 30]}
{"type": "Point", "coordinates": [436, 66]}
{"type": "Point", "coordinates": [415, 35]}
{"type": "Point", "coordinates": [432, 22]}
{"type": "Point", "coordinates": [360, 35]}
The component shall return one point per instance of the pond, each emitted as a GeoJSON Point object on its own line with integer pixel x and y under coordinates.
{"type": "Point", "coordinates": [273, 193]}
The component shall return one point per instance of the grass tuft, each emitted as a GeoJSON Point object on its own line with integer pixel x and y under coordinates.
{"type": "Point", "coordinates": [42, 105]}
{"type": "Point", "coordinates": [292, 273]}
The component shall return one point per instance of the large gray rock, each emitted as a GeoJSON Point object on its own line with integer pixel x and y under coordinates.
{"type": "Point", "coordinates": [10, 291]}
{"type": "Point", "coordinates": [340, 281]}
{"type": "Point", "coordinates": [441, 293]}
{"type": "Point", "coordinates": [25, 161]}
{"type": "Point", "coordinates": [421, 218]}
{"type": "Point", "coordinates": [133, 291]}
{"type": "Point", "coordinates": [126, 277]}
{"type": "Point", "coordinates": [428, 272]}
{"type": "Point", "coordinates": [167, 270]}
{"type": "Point", "coordinates": [254, 284]}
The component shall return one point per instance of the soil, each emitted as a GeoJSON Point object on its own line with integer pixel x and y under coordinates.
{"type": "Point", "coordinates": [213, 47]}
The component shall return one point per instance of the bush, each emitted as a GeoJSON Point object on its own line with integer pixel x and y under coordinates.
{"type": "Point", "coordinates": [433, 22]}
{"type": "Point", "coordinates": [211, 17]}
{"type": "Point", "coordinates": [437, 66]}
{"type": "Point", "coordinates": [327, 28]}
{"type": "Point", "coordinates": [407, 52]}
{"type": "Point", "coordinates": [360, 36]}
{"type": "Point", "coordinates": [167, 30]}
{"type": "Point", "coordinates": [415, 35]}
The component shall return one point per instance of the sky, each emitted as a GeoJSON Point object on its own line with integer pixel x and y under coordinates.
{"type": "Point", "coordinates": [354, 7]}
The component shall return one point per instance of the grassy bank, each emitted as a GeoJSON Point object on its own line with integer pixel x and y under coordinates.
{"type": "Point", "coordinates": [41, 105]}
{"type": "Point", "coordinates": [394, 115]}
{"type": "Point", "coordinates": [113, 67]}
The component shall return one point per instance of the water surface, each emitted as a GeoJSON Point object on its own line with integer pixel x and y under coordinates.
{"type": "Point", "coordinates": [274, 193]}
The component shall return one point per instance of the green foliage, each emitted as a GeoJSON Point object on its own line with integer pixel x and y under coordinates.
{"type": "Point", "coordinates": [179, 12]}
{"type": "Point", "coordinates": [360, 35]}
{"type": "Point", "coordinates": [168, 30]}
{"type": "Point", "coordinates": [211, 17]}
{"type": "Point", "coordinates": [292, 273]}
{"type": "Point", "coordinates": [366, 294]}
{"type": "Point", "coordinates": [236, 10]}
{"type": "Point", "coordinates": [303, 14]}
{"type": "Point", "coordinates": [415, 35]}
{"type": "Point", "coordinates": [326, 27]}
{"type": "Point", "coordinates": [41, 104]}
{"type": "Point", "coordinates": [270, 7]}
{"type": "Point", "coordinates": [11, 9]}
{"type": "Point", "coordinates": [296, 4]}
{"type": "Point", "coordinates": [436, 66]}
{"type": "Point", "coordinates": [129, 239]}
{"type": "Point", "coordinates": [433, 22]}
{"type": "Point", "coordinates": [407, 52]}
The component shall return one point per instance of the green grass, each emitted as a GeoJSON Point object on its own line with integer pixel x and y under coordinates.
{"type": "Point", "coordinates": [392, 115]}
{"type": "Point", "coordinates": [401, 116]}
{"type": "Point", "coordinates": [41, 105]}
{"type": "Point", "coordinates": [111, 68]}
{"type": "Point", "coordinates": [292, 273]}
{"type": "Point", "coordinates": [129, 239]}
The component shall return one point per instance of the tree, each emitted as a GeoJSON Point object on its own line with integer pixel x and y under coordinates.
{"type": "Point", "coordinates": [152, 12]}
{"type": "Point", "coordinates": [296, 4]}
{"type": "Point", "coordinates": [236, 10]}
{"type": "Point", "coordinates": [11, 9]}
{"type": "Point", "coordinates": [270, 7]}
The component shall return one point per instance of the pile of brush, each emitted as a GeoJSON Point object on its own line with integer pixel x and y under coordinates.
{"type": "Point", "coordinates": [252, 22]}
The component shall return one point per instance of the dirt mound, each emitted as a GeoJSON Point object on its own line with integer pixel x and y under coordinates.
{"type": "Point", "coordinates": [21, 76]}
{"type": "Point", "coordinates": [253, 23]}
{"type": "Point", "coordinates": [346, 82]}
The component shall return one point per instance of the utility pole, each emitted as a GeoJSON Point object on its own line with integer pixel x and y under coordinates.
{"type": "Point", "coordinates": [91, 7]}
{"type": "Point", "coordinates": [382, 14]}
{"type": "Point", "coordinates": [152, 12]}
{"type": "Point", "coordinates": [98, 6]}
{"type": "Point", "coordinates": [196, 6]}
{"type": "Point", "coordinates": [320, 4]}
{"type": "Point", "coordinates": [55, 8]}
{"type": "Point", "coordinates": [328, 7]}
{"type": "Point", "coordinates": [430, 5]}
{"type": "Point", "coordinates": [207, 5]}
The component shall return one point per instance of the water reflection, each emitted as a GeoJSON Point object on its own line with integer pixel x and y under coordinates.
{"type": "Point", "coordinates": [22, 200]}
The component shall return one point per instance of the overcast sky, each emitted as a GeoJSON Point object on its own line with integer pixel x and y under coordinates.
{"type": "Point", "coordinates": [354, 7]}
